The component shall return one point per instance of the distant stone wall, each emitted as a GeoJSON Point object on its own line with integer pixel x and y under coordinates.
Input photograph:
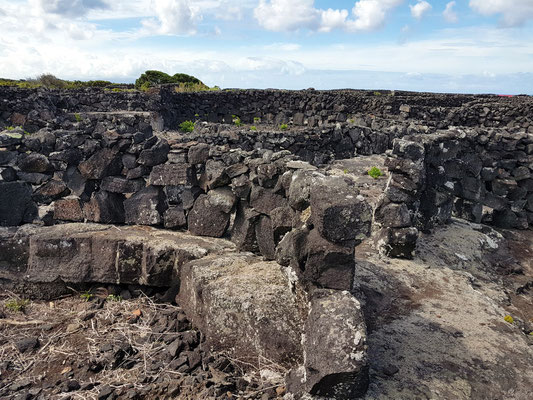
{"type": "Point", "coordinates": [35, 108]}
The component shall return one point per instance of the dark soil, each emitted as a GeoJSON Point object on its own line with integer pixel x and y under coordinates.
{"type": "Point", "coordinates": [93, 345]}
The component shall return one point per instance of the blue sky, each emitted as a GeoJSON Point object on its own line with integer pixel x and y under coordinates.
{"type": "Point", "coordinates": [472, 46]}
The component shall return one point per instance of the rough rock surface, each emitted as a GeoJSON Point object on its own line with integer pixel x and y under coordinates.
{"type": "Point", "coordinates": [207, 219]}
{"type": "Point", "coordinates": [85, 253]}
{"type": "Point", "coordinates": [16, 205]}
{"type": "Point", "coordinates": [336, 363]}
{"type": "Point", "coordinates": [226, 297]}
{"type": "Point", "coordinates": [436, 326]}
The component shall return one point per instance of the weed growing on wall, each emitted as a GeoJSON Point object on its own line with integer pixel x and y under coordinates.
{"type": "Point", "coordinates": [375, 172]}
{"type": "Point", "coordinates": [187, 126]}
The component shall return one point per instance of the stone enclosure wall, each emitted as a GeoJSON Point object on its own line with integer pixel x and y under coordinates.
{"type": "Point", "coordinates": [83, 154]}
{"type": "Point", "coordinates": [275, 192]}
{"type": "Point", "coordinates": [482, 175]}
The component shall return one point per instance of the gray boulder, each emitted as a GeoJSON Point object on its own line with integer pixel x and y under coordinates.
{"type": "Point", "coordinates": [245, 307]}
{"type": "Point", "coordinates": [105, 207]}
{"type": "Point", "coordinates": [145, 207]}
{"type": "Point", "coordinates": [327, 264]}
{"type": "Point", "coordinates": [172, 174]}
{"type": "Point", "coordinates": [335, 349]}
{"type": "Point", "coordinates": [155, 155]}
{"type": "Point", "coordinates": [338, 212]}
{"type": "Point", "coordinates": [206, 219]}
{"type": "Point", "coordinates": [104, 162]}
{"type": "Point", "coordinates": [16, 204]}
{"type": "Point", "coordinates": [34, 162]}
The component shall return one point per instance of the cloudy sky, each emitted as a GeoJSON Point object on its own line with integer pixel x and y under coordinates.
{"type": "Point", "coordinates": [470, 46]}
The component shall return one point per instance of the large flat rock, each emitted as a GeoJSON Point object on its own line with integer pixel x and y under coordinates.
{"type": "Point", "coordinates": [91, 253]}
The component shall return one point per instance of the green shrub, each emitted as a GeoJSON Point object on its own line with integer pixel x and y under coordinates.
{"type": "Point", "coordinates": [257, 119]}
{"type": "Point", "coordinates": [193, 87]}
{"type": "Point", "coordinates": [78, 117]}
{"type": "Point", "coordinates": [236, 120]}
{"type": "Point", "coordinates": [152, 78]}
{"type": "Point", "coordinates": [86, 296]}
{"type": "Point", "coordinates": [17, 305]}
{"type": "Point", "coordinates": [375, 172]}
{"type": "Point", "coordinates": [187, 126]}
{"type": "Point", "coordinates": [253, 128]}
{"type": "Point", "coordinates": [284, 127]}
{"type": "Point", "coordinates": [508, 319]}
{"type": "Point", "coordinates": [52, 82]}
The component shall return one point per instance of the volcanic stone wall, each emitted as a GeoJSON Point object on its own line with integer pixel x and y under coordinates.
{"type": "Point", "coordinates": [111, 168]}
{"type": "Point", "coordinates": [83, 153]}
{"type": "Point", "coordinates": [35, 108]}
{"type": "Point", "coordinates": [482, 175]}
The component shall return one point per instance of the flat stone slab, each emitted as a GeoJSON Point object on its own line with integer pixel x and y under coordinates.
{"type": "Point", "coordinates": [91, 253]}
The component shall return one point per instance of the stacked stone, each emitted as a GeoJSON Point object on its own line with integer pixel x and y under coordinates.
{"type": "Point", "coordinates": [486, 175]}
{"type": "Point", "coordinates": [37, 108]}
{"type": "Point", "coordinates": [479, 175]}
{"type": "Point", "coordinates": [398, 211]}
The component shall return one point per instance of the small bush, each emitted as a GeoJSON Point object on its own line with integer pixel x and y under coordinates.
{"type": "Point", "coordinates": [257, 119]}
{"type": "Point", "coordinates": [253, 128]}
{"type": "Point", "coordinates": [509, 319]}
{"type": "Point", "coordinates": [187, 126]}
{"type": "Point", "coordinates": [236, 120]}
{"type": "Point", "coordinates": [113, 297]}
{"type": "Point", "coordinates": [375, 172]}
{"type": "Point", "coordinates": [284, 127]}
{"type": "Point", "coordinates": [17, 305]}
{"type": "Point", "coordinates": [78, 117]}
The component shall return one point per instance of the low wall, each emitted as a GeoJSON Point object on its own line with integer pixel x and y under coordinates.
{"type": "Point", "coordinates": [113, 169]}
{"type": "Point", "coordinates": [476, 174]}
{"type": "Point", "coordinates": [37, 108]}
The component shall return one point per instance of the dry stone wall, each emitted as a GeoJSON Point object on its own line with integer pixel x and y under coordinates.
{"type": "Point", "coordinates": [116, 158]}
{"type": "Point", "coordinates": [482, 175]}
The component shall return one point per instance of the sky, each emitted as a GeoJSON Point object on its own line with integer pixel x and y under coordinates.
{"type": "Point", "coordinates": [461, 46]}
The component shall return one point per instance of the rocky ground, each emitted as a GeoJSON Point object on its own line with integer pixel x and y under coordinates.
{"type": "Point", "coordinates": [438, 325]}
{"type": "Point", "coordinates": [102, 344]}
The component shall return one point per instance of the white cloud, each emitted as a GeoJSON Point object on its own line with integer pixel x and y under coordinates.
{"type": "Point", "coordinates": [371, 14]}
{"type": "Point", "coordinates": [294, 15]}
{"type": "Point", "coordinates": [70, 8]}
{"type": "Point", "coordinates": [173, 17]}
{"type": "Point", "coordinates": [513, 12]}
{"type": "Point", "coordinates": [419, 9]}
{"type": "Point", "coordinates": [332, 19]}
{"type": "Point", "coordinates": [283, 47]}
{"type": "Point", "coordinates": [287, 15]}
{"type": "Point", "coordinates": [449, 14]}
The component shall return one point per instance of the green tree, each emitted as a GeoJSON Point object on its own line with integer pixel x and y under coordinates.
{"type": "Point", "coordinates": [151, 78]}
